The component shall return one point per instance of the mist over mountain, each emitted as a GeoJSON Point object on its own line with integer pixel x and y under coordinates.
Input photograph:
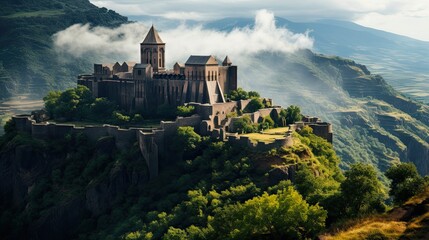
{"type": "Point", "coordinates": [400, 60]}
{"type": "Point", "coordinates": [29, 63]}
{"type": "Point", "coordinates": [373, 123]}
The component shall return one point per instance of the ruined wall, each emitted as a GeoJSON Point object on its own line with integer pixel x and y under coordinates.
{"type": "Point", "coordinates": [321, 129]}
{"type": "Point", "coordinates": [244, 141]}
{"type": "Point", "coordinates": [151, 141]}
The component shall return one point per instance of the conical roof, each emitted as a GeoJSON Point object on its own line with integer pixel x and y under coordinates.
{"type": "Point", "coordinates": [227, 61]}
{"type": "Point", "coordinates": [152, 36]}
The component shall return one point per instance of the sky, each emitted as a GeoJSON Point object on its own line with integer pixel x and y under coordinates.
{"type": "Point", "coordinates": [405, 17]}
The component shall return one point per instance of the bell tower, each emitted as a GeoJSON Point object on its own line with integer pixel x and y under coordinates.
{"type": "Point", "coordinates": [152, 51]}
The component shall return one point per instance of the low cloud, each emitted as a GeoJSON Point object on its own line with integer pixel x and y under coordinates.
{"type": "Point", "coordinates": [124, 41]}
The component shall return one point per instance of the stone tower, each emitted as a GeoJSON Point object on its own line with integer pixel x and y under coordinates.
{"type": "Point", "coordinates": [152, 51]}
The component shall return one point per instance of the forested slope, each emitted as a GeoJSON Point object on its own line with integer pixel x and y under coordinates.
{"type": "Point", "coordinates": [28, 60]}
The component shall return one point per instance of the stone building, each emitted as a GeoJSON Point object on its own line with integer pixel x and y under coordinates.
{"type": "Point", "coordinates": [147, 85]}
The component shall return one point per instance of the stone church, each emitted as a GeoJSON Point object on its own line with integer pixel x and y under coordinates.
{"type": "Point", "coordinates": [149, 84]}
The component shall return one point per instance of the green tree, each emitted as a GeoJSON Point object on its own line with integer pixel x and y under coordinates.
{"type": "Point", "coordinates": [361, 191]}
{"type": "Point", "coordinates": [102, 108]}
{"type": "Point", "coordinates": [405, 181]}
{"type": "Point", "coordinates": [239, 94]}
{"type": "Point", "coordinates": [281, 121]}
{"type": "Point", "coordinates": [186, 140]}
{"type": "Point", "coordinates": [71, 104]}
{"type": "Point", "coordinates": [284, 215]}
{"type": "Point", "coordinates": [266, 123]}
{"type": "Point", "coordinates": [244, 125]}
{"type": "Point", "coordinates": [253, 94]}
{"type": "Point", "coordinates": [51, 102]}
{"type": "Point", "coordinates": [175, 234]}
{"type": "Point", "coordinates": [293, 114]}
{"type": "Point", "coordinates": [254, 105]}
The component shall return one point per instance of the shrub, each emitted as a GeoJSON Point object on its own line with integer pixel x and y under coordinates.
{"type": "Point", "coordinates": [120, 118]}
{"type": "Point", "coordinates": [185, 111]}
{"type": "Point", "coordinates": [254, 105]}
{"type": "Point", "coordinates": [405, 181]}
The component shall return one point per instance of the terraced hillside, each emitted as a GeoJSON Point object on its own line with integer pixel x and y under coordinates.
{"type": "Point", "coordinates": [372, 122]}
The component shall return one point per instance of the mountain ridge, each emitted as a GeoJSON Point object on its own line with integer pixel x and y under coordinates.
{"type": "Point", "coordinates": [29, 62]}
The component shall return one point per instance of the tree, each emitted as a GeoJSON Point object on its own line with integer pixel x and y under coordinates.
{"type": "Point", "coordinates": [253, 94]}
{"type": "Point", "coordinates": [293, 114]}
{"type": "Point", "coordinates": [102, 108]}
{"type": "Point", "coordinates": [405, 181]}
{"type": "Point", "coordinates": [266, 123]}
{"type": "Point", "coordinates": [186, 140]}
{"type": "Point", "coordinates": [361, 191]}
{"type": "Point", "coordinates": [175, 234]}
{"type": "Point", "coordinates": [254, 105]}
{"type": "Point", "coordinates": [51, 102]}
{"type": "Point", "coordinates": [244, 125]}
{"type": "Point", "coordinates": [239, 94]}
{"type": "Point", "coordinates": [71, 104]}
{"type": "Point", "coordinates": [281, 121]}
{"type": "Point", "coordinates": [284, 215]}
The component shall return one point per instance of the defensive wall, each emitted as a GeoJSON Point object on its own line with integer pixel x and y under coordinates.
{"type": "Point", "coordinates": [151, 141]}
{"type": "Point", "coordinates": [244, 141]}
{"type": "Point", "coordinates": [209, 120]}
{"type": "Point", "coordinates": [321, 129]}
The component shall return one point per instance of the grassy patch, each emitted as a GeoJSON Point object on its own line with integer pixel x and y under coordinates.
{"type": "Point", "coordinates": [276, 131]}
{"type": "Point", "coordinates": [260, 137]}
{"type": "Point", "coordinates": [41, 13]}
{"type": "Point", "coordinates": [371, 229]}
{"type": "Point", "coordinates": [268, 136]}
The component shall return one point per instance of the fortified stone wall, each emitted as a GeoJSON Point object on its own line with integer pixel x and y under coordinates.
{"type": "Point", "coordinates": [151, 141]}
{"type": "Point", "coordinates": [244, 141]}
{"type": "Point", "coordinates": [321, 129]}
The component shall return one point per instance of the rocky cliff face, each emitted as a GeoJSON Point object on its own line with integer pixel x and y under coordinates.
{"type": "Point", "coordinates": [76, 189]}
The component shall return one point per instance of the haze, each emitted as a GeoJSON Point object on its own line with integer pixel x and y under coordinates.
{"type": "Point", "coordinates": [409, 18]}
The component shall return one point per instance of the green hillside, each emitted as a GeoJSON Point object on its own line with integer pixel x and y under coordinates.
{"type": "Point", "coordinates": [372, 122]}
{"type": "Point", "coordinates": [28, 61]}
{"type": "Point", "coordinates": [74, 188]}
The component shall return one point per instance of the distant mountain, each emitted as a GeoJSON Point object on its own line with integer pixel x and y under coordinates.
{"type": "Point", "coordinates": [28, 61]}
{"type": "Point", "coordinates": [372, 122]}
{"type": "Point", "coordinates": [402, 61]}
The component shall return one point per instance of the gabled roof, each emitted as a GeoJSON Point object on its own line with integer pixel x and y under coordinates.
{"type": "Point", "coordinates": [152, 37]}
{"type": "Point", "coordinates": [201, 60]}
